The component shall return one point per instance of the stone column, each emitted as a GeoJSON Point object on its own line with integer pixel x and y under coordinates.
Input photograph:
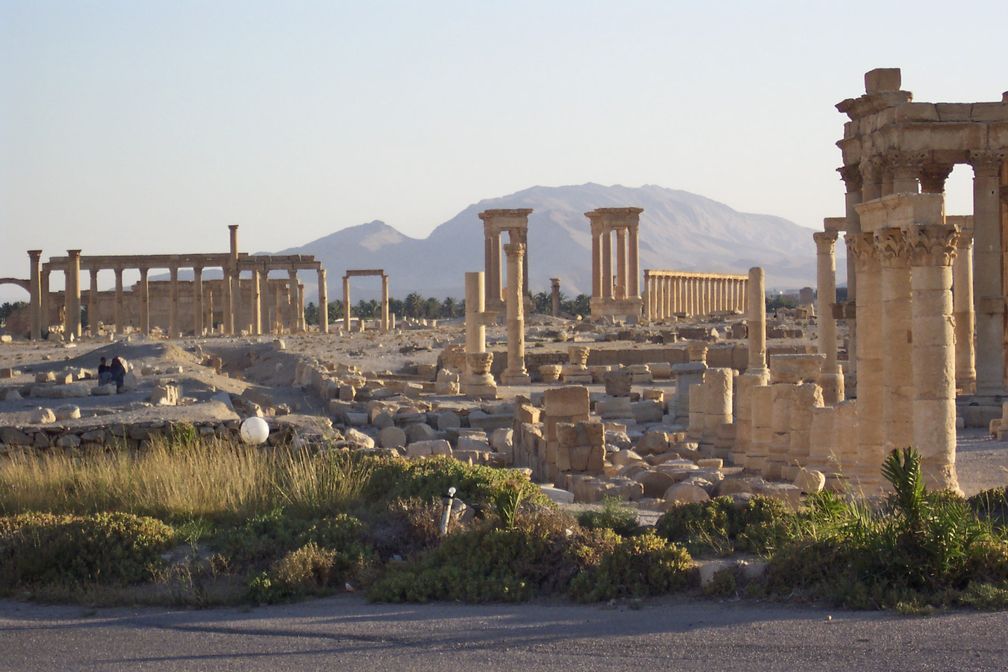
{"type": "Point", "coordinates": [173, 330]}
{"type": "Point", "coordinates": [494, 287]}
{"type": "Point", "coordinates": [256, 301]}
{"type": "Point", "coordinates": [932, 177]}
{"type": "Point", "coordinates": [119, 311]}
{"type": "Point", "coordinates": [650, 296]}
{"type": "Point", "coordinates": [831, 377]}
{"type": "Point", "coordinates": [869, 361]}
{"type": "Point", "coordinates": [633, 262]}
{"type": "Point", "coordinates": [621, 266]}
{"type": "Point", "coordinates": [231, 284]}
{"type": "Point", "coordinates": [278, 313]}
{"type": "Point", "coordinates": [757, 322]}
{"type": "Point", "coordinates": [596, 251]}
{"type": "Point", "coordinates": [302, 325]}
{"type": "Point", "coordinates": [385, 324]}
{"type": "Point", "coordinates": [607, 274]}
{"type": "Point", "coordinates": [35, 294]}
{"type": "Point", "coordinates": [323, 298]}
{"type": "Point", "coordinates": [477, 380]}
{"type": "Point", "coordinates": [71, 294]}
{"type": "Point", "coordinates": [92, 303]}
{"type": "Point", "coordinates": [962, 307]}
{"type": "Point", "coordinates": [897, 364]}
{"type": "Point", "coordinates": [208, 320]}
{"type": "Point", "coordinates": [988, 275]}
{"type": "Point", "coordinates": [516, 374]}
{"type": "Point", "coordinates": [555, 296]}
{"type": "Point", "coordinates": [292, 299]}
{"type": "Point", "coordinates": [933, 246]}
{"type": "Point", "coordinates": [488, 260]}
{"type": "Point", "coordinates": [854, 182]}
{"type": "Point", "coordinates": [144, 288]}
{"type": "Point", "coordinates": [197, 293]}
{"type": "Point", "coordinates": [346, 303]}
{"type": "Point", "coordinates": [44, 298]}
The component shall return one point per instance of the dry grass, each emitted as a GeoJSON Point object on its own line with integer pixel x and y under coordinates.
{"type": "Point", "coordinates": [175, 479]}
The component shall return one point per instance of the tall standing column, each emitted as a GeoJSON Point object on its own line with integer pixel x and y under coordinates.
{"type": "Point", "coordinates": [385, 324]}
{"type": "Point", "coordinates": [144, 287]}
{"type": "Point", "coordinates": [748, 452]}
{"type": "Point", "coordinates": [173, 330]}
{"type": "Point", "coordinates": [607, 274]}
{"type": "Point", "coordinates": [596, 265]}
{"type": "Point", "coordinates": [119, 310]}
{"type": "Point", "coordinates": [621, 265]}
{"type": "Point", "coordinates": [278, 313]}
{"type": "Point", "coordinates": [323, 302]}
{"type": "Point", "coordinates": [933, 246]}
{"type": "Point", "coordinates": [231, 284]}
{"type": "Point", "coordinates": [256, 302]}
{"type": "Point", "coordinates": [208, 320]}
{"type": "Point", "coordinates": [496, 290]}
{"type": "Point", "coordinates": [35, 293]}
{"type": "Point", "coordinates": [988, 275]}
{"type": "Point", "coordinates": [488, 263]}
{"type": "Point", "coordinates": [197, 300]}
{"type": "Point", "coordinates": [72, 299]}
{"type": "Point", "coordinates": [651, 295]}
{"type": "Point", "coordinates": [633, 262]}
{"type": "Point", "coordinates": [962, 309]}
{"type": "Point", "coordinates": [516, 374]}
{"type": "Point", "coordinates": [346, 303]}
{"type": "Point", "coordinates": [831, 377]}
{"type": "Point", "coordinates": [92, 303]}
{"type": "Point", "coordinates": [302, 325]}
{"type": "Point", "coordinates": [897, 364]}
{"type": "Point", "coordinates": [292, 299]}
{"type": "Point", "coordinates": [869, 361]}
{"type": "Point", "coordinates": [555, 296]}
{"type": "Point", "coordinates": [757, 322]}
{"type": "Point", "coordinates": [44, 298]}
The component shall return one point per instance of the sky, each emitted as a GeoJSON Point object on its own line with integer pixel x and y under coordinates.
{"type": "Point", "coordinates": [148, 127]}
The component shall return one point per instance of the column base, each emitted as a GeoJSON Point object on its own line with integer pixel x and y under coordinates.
{"type": "Point", "coordinates": [479, 386]}
{"type": "Point", "coordinates": [516, 378]}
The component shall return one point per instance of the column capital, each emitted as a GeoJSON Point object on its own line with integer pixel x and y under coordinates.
{"type": "Point", "coordinates": [73, 253]}
{"type": "Point", "coordinates": [932, 177]}
{"type": "Point", "coordinates": [893, 247]}
{"type": "Point", "coordinates": [35, 254]}
{"type": "Point", "coordinates": [851, 176]}
{"type": "Point", "coordinates": [986, 162]}
{"type": "Point", "coordinates": [825, 241]}
{"type": "Point", "coordinates": [515, 250]}
{"type": "Point", "coordinates": [861, 246]}
{"type": "Point", "coordinates": [933, 244]}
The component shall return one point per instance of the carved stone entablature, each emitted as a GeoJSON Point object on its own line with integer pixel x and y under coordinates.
{"type": "Point", "coordinates": [986, 162]}
{"type": "Point", "coordinates": [932, 245]}
{"type": "Point", "coordinates": [893, 247]}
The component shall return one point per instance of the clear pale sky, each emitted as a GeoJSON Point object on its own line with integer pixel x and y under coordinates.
{"type": "Point", "coordinates": [149, 126]}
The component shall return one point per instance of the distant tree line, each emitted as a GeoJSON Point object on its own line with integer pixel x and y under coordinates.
{"type": "Point", "coordinates": [8, 308]}
{"type": "Point", "coordinates": [417, 306]}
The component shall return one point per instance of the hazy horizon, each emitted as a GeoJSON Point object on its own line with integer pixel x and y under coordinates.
{"type": "Point", "coordinates": [149, 127]}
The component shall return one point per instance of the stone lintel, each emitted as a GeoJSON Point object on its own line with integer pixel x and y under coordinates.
{"type": "Point", "coordinates": [834, 224]}
{"type": "Point", "coordinates": [664, 273]}
{"type": "Point", "coordinates": [360, 272]}
{"type": "Point", "coordinates": [901, 210]}
{"type": "Point", "coordinates": [615, 217]}
{"type": "Point", "coordinates": [881, 80]}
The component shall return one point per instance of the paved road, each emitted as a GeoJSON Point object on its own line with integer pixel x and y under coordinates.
{"type": "Point", "coordinates": [346, 633]}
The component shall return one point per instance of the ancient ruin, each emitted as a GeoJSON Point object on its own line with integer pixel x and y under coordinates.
{"type": "Point", "coordinates": [386, 324]}
{"type": "Point", "coordinates": [671, 293]}
{"type": "Point", "coordinates": [615, 295]}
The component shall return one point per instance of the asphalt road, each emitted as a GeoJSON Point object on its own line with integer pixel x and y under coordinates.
{"type": "Point", "coordinates": [346, 633]}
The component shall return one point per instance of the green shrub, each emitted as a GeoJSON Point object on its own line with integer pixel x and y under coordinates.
{"type": "Point", "coordinates": [262, 540]}
{"type": "Point", "coordinates": [615, 515]}
{"type": "Point", "coordinates": [106, 548]}
{"type": "Point", "coordinates": [308, 570]}
{"type": "Point", "coordinates": [637, 566]}
{"type": "Point", "coordinates": [722, 527]}
{"type": "Point", "coordinates": [539, 555]}
{"type": "Point", "coordinates": [396, 478]}
{"type": "Point", "coordinates": [992, 506]}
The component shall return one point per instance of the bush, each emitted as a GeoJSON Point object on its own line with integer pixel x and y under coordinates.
{"type": "Point", "coordinates": [919, 548]}
{"type": "Point", "coordinates": [478, 486]}
{"type": "Point", "coordinates": [539, 555]}
{"type": "Point", "coordinates": [615, 515]}
{"type": "Point", "coordinates": [106, 548]}
{"type": "Point", "coordinates": [639, 566]}
{"type": "Point", "coordinates": [262, 540]}
{"type": "Point", "coordinates": [992, 506]}
{"type": "Point", "coordinates": [308, 570]}
{"type": "Point", "coordinates": [722, 527]}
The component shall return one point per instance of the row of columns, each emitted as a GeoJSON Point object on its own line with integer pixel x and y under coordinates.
{"type": "Point", "coordinates": [615, 292]}
{"type": "Point", "coordinates": [293, 304]}
{"type": "Point", "coordinates": [899, 172]}
{"type": "Point", "coordinates": [668, 293]}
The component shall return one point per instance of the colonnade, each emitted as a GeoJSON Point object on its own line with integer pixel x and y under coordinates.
{"type": "Point", "coordinates": [240, 301]}
{"type": "Point", "coordinates": [669, 293]}
{"type": "Point", "coordinates": [615, 292]}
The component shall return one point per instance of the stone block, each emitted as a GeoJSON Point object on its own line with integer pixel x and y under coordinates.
{"type": "Point", "coordinates": [557, 495]}
{"type": "Point", "coordinates": [653, 442]}
{"type": "Point", "coordinates": [359, 439]}
{"type": "Point", "coordinates": [614, 407]}
{"type": "Point", "coordinates": [392, 437]}
{"type": "Point", "coordinates": [655, 483]}
{"type": "Point", "coordinates": [448, 420]}
{"type": "Point", "coordinates": [15, 437]}
{"type": "Point", "coordinates": [647, 412]}
{"type": "Point", "coordinates": [474, 442]}
{"type": "Point", "coordinates": [164, 395]}
{"type": "Point", "coordinates": [68, 441]}
{"type": "Point", "coordinates": [67, 412]}
{"type": "Point", "coordinates": [420, 431]}
{"type": "Point", "coordinates": [882, 80]}
{"type": "Point", "coordinates": [685, 493]}
{"type": "Point", "coordinates": [567, 401]}
{"type": "Point", "coordinates": [618, 383]}
{"type": "Point", "coordinates": [810, 481]}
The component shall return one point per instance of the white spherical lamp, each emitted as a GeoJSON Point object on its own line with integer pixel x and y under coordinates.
{"type": "Point", "coordinates": [254, 431]}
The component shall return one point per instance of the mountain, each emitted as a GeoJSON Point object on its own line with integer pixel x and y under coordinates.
{"type": "Point", "coordinates": [678, 230]}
